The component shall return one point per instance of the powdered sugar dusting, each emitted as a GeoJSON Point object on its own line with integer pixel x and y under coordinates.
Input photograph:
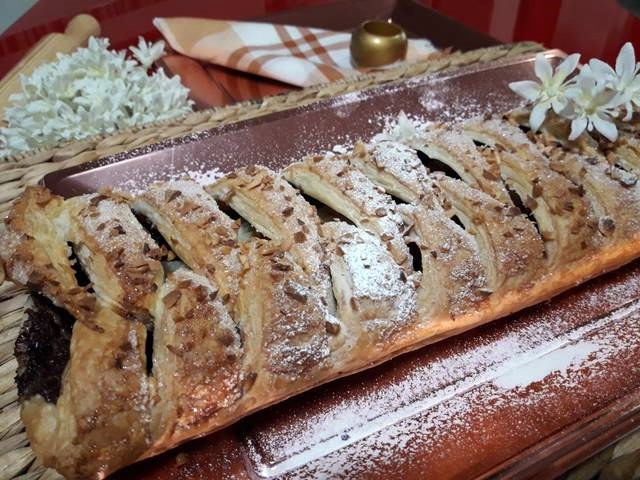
{"type": "Point", "coordinates": [402, 162]}
{"type": "Point", "coordinates": [375, 210]}
{"type": "Point", "coordinates": [380, 296]}
{"type": "Point", "coordinates": [139, 182]}
{"type": "Point", "coordinates": [345, 105]}
{"type": "Point", "coordinates": [435, 398]}
{"type": "Point", "coordinates": [559, 360]}
{"type": "Point", "coordinates": [401, 128]}
{"type": "Point", "coordinates": [11, 239]}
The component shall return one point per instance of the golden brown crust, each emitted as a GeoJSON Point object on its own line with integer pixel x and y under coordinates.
{"type": "Point", "coordinates": [119, 256]}
{"type": "Point", "coordinates": [375, 298]}
{"type": "Point", "coordinates": [35, 254]}
{"type": "Point", "coordinates": [492, 267]}
{"type": "Point", "coordinates": [392, 166]}
{"type": "Point", "coordinates": [613, 193]}
{"type": "Point", "coordinates": [510, 247]}
{"type": "Point", "coordinates": [625, 152]}
{"type": "Point", "coordinates": [278, 211]}
{"type": "Point", "coordinates": [100, 423]}
{"type": "Point", "coordinates": [195, 228]}
{"type": "Point", "coordinates": [453, 276]}
{"type": "Point", "coordinates": [560, 210]}
{"type": "Point", "coordinates": [285, 329]}
{"type": "Point", "coordinates": [477, 169]}
{"type": "Point", "coordinates": [336, 183]}
{"type": "Point", "coordinates": [197, 357]}
{"type": "Point", "coordinates": [505, 242]}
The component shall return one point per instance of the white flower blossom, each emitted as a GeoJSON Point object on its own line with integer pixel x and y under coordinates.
{"type": "Point", "coordinates": [593, 106]}
{"type": "Point", "coordinates": [91, 91]}
{"type": "Point", "coordinates": [147, 53]}
{"type": "Point", "coordinates": [550, 92]}
{"type": "Point", "coordinates": [592, 100]}
{"type": "Point", "coordinates": [625, 79]}
{"type": "Point", "coordinates": [400, 129]}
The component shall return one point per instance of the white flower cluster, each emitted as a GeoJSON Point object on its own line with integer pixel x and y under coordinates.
{"type": "Point", "coordinates": [593, 99]}
{"type": "Point", "coordinates": [91, 91]}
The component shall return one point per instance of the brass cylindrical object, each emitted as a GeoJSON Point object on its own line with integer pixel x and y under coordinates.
{"type": "Point", "coordinates": [375, 43]}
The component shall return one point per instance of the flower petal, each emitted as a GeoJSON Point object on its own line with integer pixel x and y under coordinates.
{"type": "Point", "coordinates": [601, 71]}
{"type": "Point", "coordinates": [629, 111]}
{"type": "Point", "coordinates": [608, 98]}
{"type": "Point", "coordinates": [542, 67]}
{"type": "Point", "coordinates": [567, 67]}
{"type": "Point", "coordinates": [605, 127]}
{"type": "Point", "coordinates": [559, 103]}
{"type": "Point", "coordinates": [538, 114]}
{"type": "Point", "coordinates": [626, 61]}
{"type": "Point", "coordinates": [527, 89]}
{"type": "Point", "coordinates": [586, 79]}
{"type": "Point", "coordinates": [577, 127]}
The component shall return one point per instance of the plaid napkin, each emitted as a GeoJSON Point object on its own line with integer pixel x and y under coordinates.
{"type": "Point", "coordinates": [295, 55]}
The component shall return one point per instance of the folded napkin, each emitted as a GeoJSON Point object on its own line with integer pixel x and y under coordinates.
{"type": "Point", "coordinates": [296, 55]}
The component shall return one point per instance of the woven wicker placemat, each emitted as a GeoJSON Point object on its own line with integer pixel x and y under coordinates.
{"type": "Point", "coordinates": [16, 458]}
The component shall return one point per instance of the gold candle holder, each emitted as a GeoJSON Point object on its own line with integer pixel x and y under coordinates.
{"type": "Point", "coordinates": [375, 43]}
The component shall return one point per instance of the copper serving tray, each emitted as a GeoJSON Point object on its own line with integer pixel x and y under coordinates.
{"type": "Point", "coordinates": [528, 396]}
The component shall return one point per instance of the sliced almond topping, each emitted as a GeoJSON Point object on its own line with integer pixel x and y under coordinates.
{"type": "Point", "coordinates": [175, 350]}
{"type": "Point", "coordinates": [295, 291]}
{"type": "Point", "coordinates": [97, 199]}
{"type": "Point", "coordinates": [282, 267]}
{"type": "Point", "coordinates": [606, 226]}
{"type": "Point", "coordinates": [117, 230]}
{"type": "Point", "coordinates": [332, 328]}
{"type": "Point", "coordinates": [531, 203]}
{"type": "Point", "coordinates": [354, 304]}
{"type": "Point", "coordinates": [171, 298]}
{"type": "Point", "coordinates": [537, 190]}
{"type": "Point", "coordinates": [490, 175]}
{"type": "Point", "coordinates": [226, 337]}
{"type": "Point", "coordinates": [287, 211]}
{"type": "Point", "coordinates": [171, 195]}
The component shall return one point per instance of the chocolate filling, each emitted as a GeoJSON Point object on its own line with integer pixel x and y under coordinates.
{"type": "Point", "coordinates": [42, 349]}
{"type": "Point", "coordinates": [435, 165]}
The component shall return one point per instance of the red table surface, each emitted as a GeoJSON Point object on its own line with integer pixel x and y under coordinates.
{"type": "Point", "coordinates": [595, 28]}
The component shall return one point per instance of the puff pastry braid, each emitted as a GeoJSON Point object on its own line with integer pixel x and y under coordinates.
{"type": "Point", "coordinates": [195, 228]}
{"type": "Point", "coordinates": [334, 182]}
{"type": "Point", "coordinates": [35, 253]}
{"type": "Point", "coordinates": [151, 353]}
{"type": "Point", "coordinates": [278, 211]}
{"type": "Point", "coordinates": [119, 256]}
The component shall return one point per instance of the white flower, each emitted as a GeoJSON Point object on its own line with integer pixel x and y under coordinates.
{"type": "Point", "coordinates": [551, 91]}
{"type": "Point", "coordinates": [94, 90]}
{"type": "Point", "coordinates": [399, 129]}
{"type": "Point", "coordinates": [593, 106]}
{"type": "Point", "coordinates": [624, 79]}
{"type": "Point", "coordinates": [147, 53]}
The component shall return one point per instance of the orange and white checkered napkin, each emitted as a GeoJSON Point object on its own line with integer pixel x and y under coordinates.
{"type": "Point", "coordinates": [296, 55]}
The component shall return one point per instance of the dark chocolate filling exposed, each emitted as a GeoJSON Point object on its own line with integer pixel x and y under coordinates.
{"type": "Point", "coordinates": [435, 165]}
{"type": "Point", "coordinates": [42, 349]}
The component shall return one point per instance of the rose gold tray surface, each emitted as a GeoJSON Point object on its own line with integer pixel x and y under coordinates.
{"type": "Point", "coordinates": [528, 396]}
